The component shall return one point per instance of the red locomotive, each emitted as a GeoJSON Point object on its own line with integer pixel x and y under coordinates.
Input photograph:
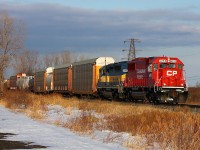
{"type": "Point", "coordinates": [157, 79]}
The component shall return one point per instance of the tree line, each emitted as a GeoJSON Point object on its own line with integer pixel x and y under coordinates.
{"type": "Point", "coordinates": [29, 61]}
{"type": "Point", "coordinates": [14, 54]}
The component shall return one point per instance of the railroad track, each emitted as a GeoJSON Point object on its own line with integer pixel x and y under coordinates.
{"type": "Point", "coordinates": [174, 107]}
{"type": "Point", "coordinates": [185, 107]}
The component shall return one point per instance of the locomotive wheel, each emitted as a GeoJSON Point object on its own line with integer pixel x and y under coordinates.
{"type": "Point", "coordinates": [156, 102]}
{"type": "Point", "coordinates": [130, 98]}
{"type": "Point", "coordinates": [115, 96]}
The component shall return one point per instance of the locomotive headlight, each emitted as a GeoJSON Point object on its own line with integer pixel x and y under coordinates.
{"type": "Point", "coordinates": [182, 84]}
{"type": "Point", "coordinates": [164, 84]}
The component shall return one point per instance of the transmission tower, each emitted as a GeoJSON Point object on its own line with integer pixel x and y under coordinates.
{"type": "Point", "coordinates": [132, 50]}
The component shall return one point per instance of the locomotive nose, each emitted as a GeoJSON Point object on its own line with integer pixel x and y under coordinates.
{"type": "Point", "coordinates": [169, 77]}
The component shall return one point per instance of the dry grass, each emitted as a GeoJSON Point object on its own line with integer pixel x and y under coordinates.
{"type": "Point", "coordinates": [83, 124]}
{"type": "Point", "coordinates": [179, 129]}
{"type": "Point", "coordinates": [175, 130]}
{"type": "Point", "coordinates": [194, 95]}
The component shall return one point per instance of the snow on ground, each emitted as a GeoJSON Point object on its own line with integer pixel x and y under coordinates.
{"type": "Point", "coordinates": [56, 138]}
{"type": "Point", "coordinates": [62, 115]}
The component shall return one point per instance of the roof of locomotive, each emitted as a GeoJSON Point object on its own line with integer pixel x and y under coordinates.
{"type": "Point", "coordinates": [100, 61]}
{"type": "Point", "coordinates": [164, 59]}
{"type": "Point", "coordinates": [116, 63]}
{"type": "Point", "coordinates": [156, 59]}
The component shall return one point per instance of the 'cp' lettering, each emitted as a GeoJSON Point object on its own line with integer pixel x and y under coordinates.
{"type": "Point", "coordinates": [171, 73]}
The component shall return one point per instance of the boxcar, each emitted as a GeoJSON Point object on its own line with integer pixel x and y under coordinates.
{"type": "Point", "coordinates": [62, 79]}
{"type": "Point", "coordinates": [43, 81]}
{"type": "Point", "coordinates": [14, 80]}
{"type": "Point", "coordinates": [85, 75]}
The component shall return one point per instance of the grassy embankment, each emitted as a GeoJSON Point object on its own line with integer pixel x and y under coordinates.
{"type": "Point", "coordinates": [178, 129]}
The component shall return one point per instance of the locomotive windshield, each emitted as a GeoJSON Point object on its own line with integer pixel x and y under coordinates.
{"type": "Point", "coordinates": [165, 65]}
{"type": "Point", "coordinates": [180, 66]}
{"type": "Point", "coordinates": [172, 65]}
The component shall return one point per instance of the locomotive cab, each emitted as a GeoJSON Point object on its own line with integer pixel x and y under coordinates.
{"type": "Point", "coordinates": [111, 79]}
{"type": "Point", "coordinates": [169, 79]}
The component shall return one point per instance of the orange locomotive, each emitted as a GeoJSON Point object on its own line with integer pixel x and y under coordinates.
{"type": "Point", "coordinates": [157, 79]}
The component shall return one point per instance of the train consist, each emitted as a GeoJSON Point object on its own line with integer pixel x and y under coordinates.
{"type": "Point", "coordinates": [153, 79]}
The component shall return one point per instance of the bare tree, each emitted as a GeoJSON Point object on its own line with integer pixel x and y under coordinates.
{"type": "Point", "coordinates": [64, 57]}
{"type": "Point", "coordinates": [47, 61]}
{"type": "Point", "coordinates": [11, 40]}
{"type": "Point", "coordinates": [26, 62]}
{"type": "Point", "coordinates": [79, 57]}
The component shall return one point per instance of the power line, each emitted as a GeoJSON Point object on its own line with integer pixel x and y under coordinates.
{"type": "Point", "coordinates": [132, 50]}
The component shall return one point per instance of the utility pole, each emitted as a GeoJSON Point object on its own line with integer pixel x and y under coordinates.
{"type": "Point", "coordinates": [132, 50]}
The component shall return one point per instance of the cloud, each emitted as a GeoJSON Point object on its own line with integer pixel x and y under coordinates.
{"type": "Point", "coordinates": [53, 27]}
{"type": "Point", "coordinates": [77, 28]}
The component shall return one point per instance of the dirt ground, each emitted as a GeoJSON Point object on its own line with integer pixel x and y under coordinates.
{"type": "Point", "coordinates": [8, 145]}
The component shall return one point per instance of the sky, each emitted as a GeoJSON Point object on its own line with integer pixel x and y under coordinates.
{"type": "Point", "coordinates": [99, 28]}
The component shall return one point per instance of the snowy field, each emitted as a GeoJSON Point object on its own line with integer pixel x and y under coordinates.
{"type": "Point", "coordinates": [45, 134]}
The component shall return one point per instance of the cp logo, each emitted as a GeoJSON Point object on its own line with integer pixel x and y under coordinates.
{"type": "Point", "coordinates": [171, 73]}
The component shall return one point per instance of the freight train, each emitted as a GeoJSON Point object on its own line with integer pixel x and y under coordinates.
{"type": "Point", "coordinates": [153, 79]}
